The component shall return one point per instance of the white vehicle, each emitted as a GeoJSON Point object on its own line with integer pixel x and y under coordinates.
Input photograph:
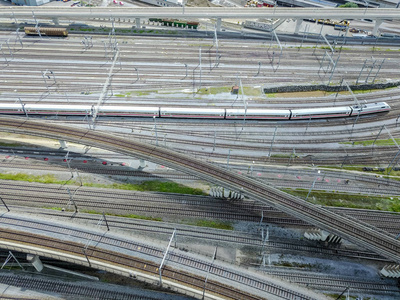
{"type": "Point", "coordinates": [132, 111]}
{"type": "Point", "coordinates": [190, 112]}
{"type": "Point", "coordinates": [369, 108]}
{"type": "Point", "coordinates": [281, 114]}
{"type": "Point", "coordinates": [325, 112]}
{"type": "Point", "coordinates": [45, 109]}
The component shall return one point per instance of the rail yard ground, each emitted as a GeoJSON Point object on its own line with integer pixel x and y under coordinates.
{"type": "Point", "coordinates": [311, 157]}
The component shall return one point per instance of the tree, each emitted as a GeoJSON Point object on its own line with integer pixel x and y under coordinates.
{"type": "Point", "coordinates": [349, 4]}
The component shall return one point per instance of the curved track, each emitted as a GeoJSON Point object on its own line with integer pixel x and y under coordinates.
{"type": "Point", "coordinates": [368, 237]}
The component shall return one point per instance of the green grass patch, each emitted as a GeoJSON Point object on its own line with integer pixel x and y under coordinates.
{"type": "Point", "coordinates": [13, 145]}
{"type": "Point", "coordinates": [349, 200]}
{"type": "Point", "coordinates": [53, 208]}
{"type": "Point", "coordinates": [31, 178]}
{"type": "Point", "coordinates": [154, 186]}
{"type": "Point", "coordinates": [213, 224]}
{"type": "Point", "coordinates": [131, 216]}
{"type": "Point", "coordinates": [375, 172]}
{"type": "Point", "coordinates": [387, 142]}
{"type": "Point", "coordinates": [325, 47]}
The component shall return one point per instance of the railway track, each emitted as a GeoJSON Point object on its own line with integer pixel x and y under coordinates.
{"type": "Point", "coordinates": [144, 260]}
{"type": "Point", "coordinates": [330, 283]}
{"type": "Point", "coordinates": [127, 202]}
{"type": "Point", "coordinates": [349, 229]}
{"type": "Point", "coordinates": [67, 84]}
{"type": "Point", "coordinates": [160, 65]}
{"type": "Point", "coordinates": [224, 238]}
{"type": "Point", "coordinates": [67, 288]}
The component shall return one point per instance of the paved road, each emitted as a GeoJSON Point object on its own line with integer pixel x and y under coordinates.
{"type": "Point", "coordinates": [201, 12]}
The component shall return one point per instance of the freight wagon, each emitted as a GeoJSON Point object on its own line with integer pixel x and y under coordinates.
{"type": "Point", "coordinates": [47, 31]}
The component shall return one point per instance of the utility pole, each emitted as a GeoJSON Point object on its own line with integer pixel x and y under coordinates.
{"type": "Point", "coordinates": [165, 254]}
{"type": "Point", "coordinates": [272, 142]}
{"type": "Point", "coordinates": [208, 271]}
{"type": "Point", "coordinates": [227, 162]}
{"type": "Point", "coordinates": [200, 65]}
{"type": "Point", "coordinates": [155, 129]}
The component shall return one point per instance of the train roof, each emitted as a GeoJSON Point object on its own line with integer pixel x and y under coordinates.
{"type": "Point", "coordinates": [257, 112]}
{"type": "Point", "coordinates": [191, 110]}
{"type": "Point", "coordinates": [339, 109]}
{"type": "Point", "coordinates": [367, 105]}
{"type": "Point", "coordinates": [10, 105]}
{"type": "Point", "coordinates": [63, 107]}
{"type": "Point", "coordinates": [115, 108]}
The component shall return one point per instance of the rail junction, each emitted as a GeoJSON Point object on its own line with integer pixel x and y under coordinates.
{"type": "Point", "coordinates": [197, 138]}
{"type": "Point", "coordinates": [365, 236]}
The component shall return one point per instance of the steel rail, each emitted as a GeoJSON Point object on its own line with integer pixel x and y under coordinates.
{"type": "Point", "coordinates": [365, 236]}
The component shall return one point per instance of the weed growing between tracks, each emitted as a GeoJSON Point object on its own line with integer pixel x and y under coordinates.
{"type": "Point", "coordinates": [212, 224]}
{"type": "Point", "coordinates": [350, 201]}
{"type": "Point", "coordinates": [31, 178]}
{"type": "Point", "coordinates": [375, 171]}
{"type": "Point", "coordinates": [388, 142]}
{"type": "Point", "coordinates": [154, 186]}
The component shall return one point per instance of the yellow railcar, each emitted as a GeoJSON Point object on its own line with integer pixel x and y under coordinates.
{"type": "Point", "coordinates": [47, 31]}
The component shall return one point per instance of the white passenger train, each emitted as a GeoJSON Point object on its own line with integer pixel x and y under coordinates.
{"type": "Point", "coordinates": [193, 113]}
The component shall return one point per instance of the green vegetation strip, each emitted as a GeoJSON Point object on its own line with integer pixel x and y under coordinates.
{"type": "Point", "coordinates": [154, 186]}
{"type": "Point", "coordinates": [376, 172]}
{"type": "Point", "coordinates": [347, 200]}
{"type": "Point", "coordinates": [11, 145]}
{"type": "Point", "coordinates": [213, 224]}
{"type": "Point", "coordinates": [388, 142]}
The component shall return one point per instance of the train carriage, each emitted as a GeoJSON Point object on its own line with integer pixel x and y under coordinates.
{"type": "Point", "coordinates": [369, 108]}
{"type": "Point", "coordinates": [51, 109]}
{"type": "Point", "coordinates": [268, 114]}
{"type": "Point", "coordinates": [200, 113]}
{"type": "Point", "coordinates": [11, 109]}
{"type": "Point", "coordinates": [46, 31]}
{"type": "Point", "coordinates": [131, 111]}
{"type": "Point", "coordinates": [325, 112]}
